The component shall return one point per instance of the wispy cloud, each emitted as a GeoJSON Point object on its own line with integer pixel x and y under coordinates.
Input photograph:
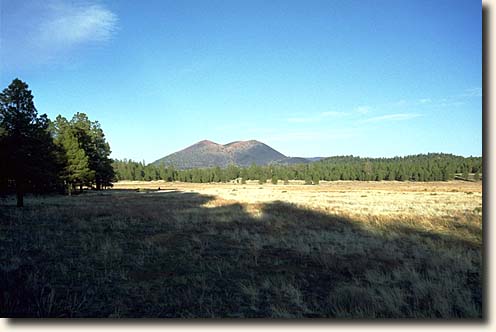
{"type": "Point", "coordinates": [362, 109]}
{"type": "Point", "coordinates": [472, 92]}
{"type": "Point", "coordinates": [393, 117]}
{"type": "Point", "coordinates": [74, 23]}
{"type": "Point", "coordinates": [455, 100]}
{"type": "Point", "coordinates": [40, 32]}
{"type": "Point", "coordinates": [400, 103]}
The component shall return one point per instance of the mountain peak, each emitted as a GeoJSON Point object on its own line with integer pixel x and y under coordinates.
{"type": "Point", "coordinates": [206, 142]}
{"type": "Point", "coordinates": [242, 144]}
{"type": "Point", "coordinates": [208, 154]}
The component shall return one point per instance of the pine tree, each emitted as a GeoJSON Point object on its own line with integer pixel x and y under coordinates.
{"type": "Point", "coordinates": [78, 171]}
{"type": "Point", "coordinates": [77, 167]}
{"type": "Point", "coordinates": [27, 152]}
{"type": "Point", "coordinates": [232, 172]}
{"type": "Point", "coordinates": [102, 165]}
{"type": "Point", "coordinates": [316, 179]}
{"type": "Point", "coordinates": [92, 139]}
{"type": "Point", "coordinates": [285, 177]}
{"type": "Point", "coordinates": [262, 179]}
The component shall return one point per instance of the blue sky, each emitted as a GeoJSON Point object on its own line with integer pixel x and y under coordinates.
{"type": "Point", "coordinates": [309, 78]}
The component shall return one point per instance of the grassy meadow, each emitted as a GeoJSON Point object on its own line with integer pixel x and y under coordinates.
{"type": "Point", "coordinates": [338, 250]}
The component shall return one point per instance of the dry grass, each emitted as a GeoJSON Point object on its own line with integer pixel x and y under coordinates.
{"type": "Point", "coordinates": [343, 249]}
{"type": "Point", "coordinates": [353, 199]}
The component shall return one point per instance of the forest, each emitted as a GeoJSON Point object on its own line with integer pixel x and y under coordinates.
{"type": "Point", "coordinates": [422, 167]}
{"type": "Point", "coordinates": [40, 155]}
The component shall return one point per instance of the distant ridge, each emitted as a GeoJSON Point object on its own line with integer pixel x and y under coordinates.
{"type": "Point", "coordinates": [240, 153]}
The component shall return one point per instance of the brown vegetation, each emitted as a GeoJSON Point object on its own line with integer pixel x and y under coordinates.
{"type": "Point", "coordinates": [358, 199]}
{"type": "Point", "coordinates": [226, 250]}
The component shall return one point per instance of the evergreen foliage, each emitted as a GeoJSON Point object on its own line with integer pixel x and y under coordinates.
{"type": "Point", "coordinates": [39, 155]}
{"type": "Point", "coordinates": [476, 176]}
{"type": "Point", "coordinates": [86, 152]}
{"type": "Point", "coordinates": [27, 153]}
{"type": "Point", "coordinates": [308, 178]}
{"type": "Point", "coordinates": [423, 167]}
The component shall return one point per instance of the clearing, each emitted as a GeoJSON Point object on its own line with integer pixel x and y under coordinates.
{"type": "Point", "coordinates": [340, 249]}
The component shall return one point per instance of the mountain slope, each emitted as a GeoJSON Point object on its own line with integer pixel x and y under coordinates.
{"type": "Point", "coordinates": [209, 154]}
{"type": "Point", "coordinates": [245, 153]}
{"type": "Point", "coordinates": [202, 154]}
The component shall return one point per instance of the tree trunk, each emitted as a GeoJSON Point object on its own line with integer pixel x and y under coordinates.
{"type": "Point", "coordinates": [19, 194]}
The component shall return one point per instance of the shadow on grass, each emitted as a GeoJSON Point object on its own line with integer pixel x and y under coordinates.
{"type": "Point", "coordinates": [123, 253]}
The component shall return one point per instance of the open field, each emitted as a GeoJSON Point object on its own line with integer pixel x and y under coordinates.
{"type": "Point", "coordinates": [350, 198]}
{"type": "Point", "coordinates": [340, 249]}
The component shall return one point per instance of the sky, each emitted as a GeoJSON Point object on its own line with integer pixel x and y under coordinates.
{"type": "Point", "coordinates": [309, 78]}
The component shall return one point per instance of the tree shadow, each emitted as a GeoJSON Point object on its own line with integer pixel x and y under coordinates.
{"type": "Point", "coordinates": [181, 255]}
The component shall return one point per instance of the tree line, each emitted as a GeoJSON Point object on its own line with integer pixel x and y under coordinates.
{"type": "Point", "coordinates": [422, 167]}
{"type": "Point", "coordinates": [39, 155]}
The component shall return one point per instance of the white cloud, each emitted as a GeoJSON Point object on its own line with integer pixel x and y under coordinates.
{"type": "Point", "coordinates": [41, 32]}
{"type": "Point", "coordinates": [362, 109]}
{"type": "Point", "coordinates": [393, 117]}
{"type": "Point", "coordinates": [453, 100]}
{"type": "Point", "coordinates": [400, 102]}
{"type": "Point", "coordinates": [72, 23]}
{"type": "Point", "coordinates": [473, 92]}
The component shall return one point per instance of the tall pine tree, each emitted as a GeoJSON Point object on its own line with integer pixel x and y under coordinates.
{"type": "Point", "coordinates": [26, 147]}
{"type": "Point", "coordinates": [77, 167]}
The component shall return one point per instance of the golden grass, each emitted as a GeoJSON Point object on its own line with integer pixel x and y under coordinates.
{"type": "Point", "coordinates": [437, 207]}
{"type": "Point", "coordinates": [340, 249]}
{"type": "Point", "coordinates": [354, 199]}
